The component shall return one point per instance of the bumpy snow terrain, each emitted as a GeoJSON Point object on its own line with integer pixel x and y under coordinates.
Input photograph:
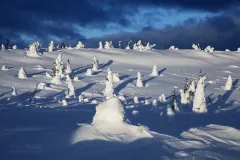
{"type": "Point", "coordinates": [112, 106]}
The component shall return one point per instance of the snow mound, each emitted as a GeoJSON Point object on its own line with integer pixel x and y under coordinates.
{"type": "Point", "coordinates": [222, 136]}
{"type": "Point", "coordinates": [109, 125]}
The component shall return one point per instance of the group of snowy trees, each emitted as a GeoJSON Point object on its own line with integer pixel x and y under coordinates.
{"type": "Point", "coordinates": [8, 46]}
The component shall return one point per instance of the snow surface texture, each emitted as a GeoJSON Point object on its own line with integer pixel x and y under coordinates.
{"type": "Point", "coordinates": [66, 126]}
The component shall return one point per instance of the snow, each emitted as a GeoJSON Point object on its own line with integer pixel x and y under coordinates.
{"type": "Point", "coordinates": [120, 125]}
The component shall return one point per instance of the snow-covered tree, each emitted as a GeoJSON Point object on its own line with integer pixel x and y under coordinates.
{"type": "Point", "coordinates": [119, 44]}
{"type": "Point", "coordinates": [51, 46]}
{"type": "Point", "coordinates": [107, 45]}
{"type": "Point", "coordinates": [68, 78]}
{"type": "Point", "coordinates": [135, 46]}
{"type": "Point", "coordinates": [3, 47]}
{"type": "Point", "coordinates": [135, 99]}
{"type": "Point", "coordinates": [100, 45]}
{"type": "Point", "coordinates": [173, 102]}
{"type": "Point", "coordinates": [32, 51]}
{"type": "Point", "coordinates": [170, 112]}
{"type": "Point", "coordinates": [95, 63]}
{"type": "Point", "coordinates": [80, 45]}
{"type": "Point", "coordinates": [37, 45]}
{"type": "Point", "coordinates": [183, 97]}
{"type": "Point", "coordinates": [15, 46]}
{"type": "Point", "coordinates": [71, 89]}
{"type": "Point", "coordinates": [238, 50]}
{"type": "Point", "coordinates": [14, 92]}
{"type": "Point", "coordinates": [140, 46]}
{"type": "Point", "coordinates": [56, 80]}
{"type": "Point", "coordinates": [162, 98]}
{"type": "Point", "coordinates": [172, 48]}
{"type": "Point", "coordinates": [89, 72]}
{"type": "Point", "coordinates": [227, 50]}
{"type": "Point", "coordinates": [5, 68]}
{"type": "Point", "coordinates": [110, 75]}
{"type": "Point", "coordinates": [228, 85]}
{"type": "Point", "coordinates": [41, 86]}
{"type": "Point", "coordinates": [111, 44]}
{"type": "Point", "coordinates": [64, 103]}
{"type": "Point", "coordinates": [116, 78]}
{"type": "Point", "coordinates": [154, 102]}
{"type": "Point", "coordinates": [68, 69]}
{"type": "Point", "coordinates": [22, 73]}
{"type": "Point", "coordinates": [109, 89]}
{"type": "Point", "coordinates": [154, 71]}
{"type": "Point", "coordinates": [8, 44]}
{"type": "Point", "coordinates": [199, 102]}
{"type": "Point", "coordinates": [139, 80]}
{"type": "Point", "coordinates": [209, 49]}
{"type": "Point", "coordinates": [62, 45]}
{"type": "Point", "coordinates": [58, 66]}
{"type": "Point", "coordinates": [195, 47]}
{"type": "Point", "coordinates": [76, 78]}
{"type": "Point", "coordinates": [80, 98]}
{"type": "Point", "coordinates": [149, 46]}
{"type": "Point", "coordinates": [128, 45]}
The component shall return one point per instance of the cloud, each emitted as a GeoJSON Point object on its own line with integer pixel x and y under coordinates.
{"type": "Point", "coordinates": [221, 32]}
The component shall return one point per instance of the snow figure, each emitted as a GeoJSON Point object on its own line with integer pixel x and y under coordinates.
{"type": "Point", "coordinates": [68, 67]}
{"type": "Point", "coordinates": [41, 86]}
{"type": "Point", "coordinates": [100, 45]}
{"type": "Point", "coordinates": [154, 71]}
{"type": "Point", "coordinates": [109, 89]}
{"type": "Point", "coordinates": [162, 98]}
{"type": "Point", "coordinates": [32, 52]}
{"type": "Point", "coordinates": [89, 72]}
{"type": "Point", "coordinates": [154, 102]}
{"type": "Point", "coordinates": [22, 74]}
{"type": "Point", "coordinates": [209, 49]}
{"type": "Point", "coordinates": [56, 80]}
{"type": "Point", "coordinates": [140, 46]}
{"type": "Point", "coordinates": [3, 47]}
{"type": "Point", "coordinates": [111, 44]}
{"type": "Point", "coordinates": [95, 63]}
{"type": "Point", "coordinates": [15, 46]}
{"type": "Point", "coordinates": [116, 78]}
{"type": "Point", "coordinates": [172, 48]}
{"type": "Point", "coordinates": [68, 78]}
{"type": "Point", "coordinates": [14, 92]}
{"type": "Point", "coordinates": [139, 80]}
{"type": "Point", "coordinates": [135, 46]}
{"type": "Point", "coordinates": [173, 102]}
{"type": "Point", "coordinates": [199, 102]}
{"type": "Point", "coordinates": [107, 45]}
{"type": "Point", "coordinates": [195, 47]}
{"type": "Point", "coordinates": [228, 85]}
{"type": "Point", "coordinates": [58, 66]}
{"type": "Point", "coordinates": [238, 50]}
{"type": "Point", "coordinates": [80, 45]}
{"type": "Point", "coordinates": [80, 98]}
{"type": "Point", "coordinates": [109, 75]}
{"type": "Point", "coordinates": [51, 46]}
{"type": "Point", "coordinates": [64, 103]}
{"type": "Point", "coordinates": [71, 89]}
{"type": "Point", "coordinates": [135, 99]}
{"type": "Point", "coordinates": [4, 68]}
{"type": "Point", "coordinates": [119, 44]}
{"type": "Point", "coordinates": [227, 50]}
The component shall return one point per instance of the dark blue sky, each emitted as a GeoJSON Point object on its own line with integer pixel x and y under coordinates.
{"type": "Point", "coordinates": [164, 22]}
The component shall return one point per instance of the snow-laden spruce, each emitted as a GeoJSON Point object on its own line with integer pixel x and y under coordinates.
{"type": "Point", "coordinates": [155, 102]}
{"type": "Point", "coordinates": [209, 49]}
{"type": "Point", "coordinates": [68, 78]}
{"type": "Point", "coordinates": [109, 89]}
{"type": "Point", "coordinates": [64, 103]}
{"type": "Point", "coordinates": [100, 45]}
{"type": "Point", "coordinates": [32, 51]}
{"type": "Point", "coordinates": [71, 89]}
{"type": "Point", "coordinates": [22, 74]}
{"type": "Point", "coordinates": [80, 98]}
{"type": "Point", "coordinates": [3, 47]}
{"type": "Point", "coordinates": [68, 69]}
{"type": "Point", "coordinates": [58, 66]}
{"type": "Point", "coordinates": [173, 102]}
{"type": "Point", "coordinates": [140, 46]}
{"type": "Point", "coordinates": [172, 48]}
{"type": "Point", "coordinates": [95, 63]}
{"type": "Point", "coordinates": [128, 45]}
{"type": "Point", "coordinates": [135, 99]}
{"type": "Point", "coordinates": [228, 85]}
{"type": "Point", "coordinates": [238, 50]}
{"type": "Point", "coordinates": [41, 86]}
{"type": "Point", "coordinates": [80, 45]}
{"type": "Point", "coordinates": [110, 75]}
{"type": "Point", "coordinates": [196, 47]}
{"type": "Point", "coordinates": [119, 44]}
{"type": "Point", "coordinates": [56, 80]}
{"type": "Point", "coordinates": [227, 50]}
{"type": "Point", "coordinates": [199, 102]}
{"type": "Point", "coordinates": [5, 68]}
{"type": "Point", "coordinates": [162, 98]}
{"type": "Point", "coordinates": [154, 71]}
{"type": "Point", "coordinates": [89, 72]}
{"type": "Point", "coordinates": [115, 78]}
{"type": "Point", "coordinates": [135, 46]}
{"type": "Point", "coordinates": [15, 46]}
{"type": "Point", "coordinates": [107, 45]}
{"type": "Point", "coordinates": [139, 80]}
{"type": "Point", "coordinates": [51, 46]}
{"type": "Point", "coordinates": [149, 46]}
{"type": "Point", "coordinates": [14, 92]}
{"type": "Point", "coordinates": [186, 94]}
